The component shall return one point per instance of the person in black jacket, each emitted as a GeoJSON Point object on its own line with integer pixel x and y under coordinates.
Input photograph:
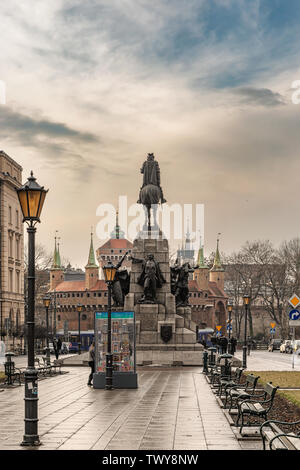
{"type": "Point", "coordinates": [91, 361]}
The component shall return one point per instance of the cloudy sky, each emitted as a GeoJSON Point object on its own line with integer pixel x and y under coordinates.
{"type": "Point", "coordinates": [93, 86]}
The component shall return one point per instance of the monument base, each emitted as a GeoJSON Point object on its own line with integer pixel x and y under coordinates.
{"type": "Point", "coordinates": [169, 355]}
{"type": "Point", "coordinates": [165, 335]}
{"type": "Point", "coordinates": [120, 380]}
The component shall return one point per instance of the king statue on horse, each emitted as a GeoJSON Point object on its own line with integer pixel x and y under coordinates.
{"type": "Point", "coordinates": [151, 192]}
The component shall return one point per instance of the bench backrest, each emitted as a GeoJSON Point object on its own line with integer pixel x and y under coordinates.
{"type": "Point", "coordinates": [251, 381]}
{"type": "Point", "coordinates": [238, 373]}
{"type": "Point", "coordinates": [270, 390]}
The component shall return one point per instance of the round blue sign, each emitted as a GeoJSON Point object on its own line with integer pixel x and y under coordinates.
{"type": "Point", "coordinates": [294, 314]}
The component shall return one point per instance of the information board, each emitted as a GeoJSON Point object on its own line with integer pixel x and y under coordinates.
{"type": "Point", "coordinates": [122, 341]}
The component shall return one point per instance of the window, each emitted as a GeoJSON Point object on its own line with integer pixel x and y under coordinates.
{"type": "Point", "coordinates": [17, 218]}
{"type": "Point", "coordinates": [84, 317]}
{"type": "Point", "coordinates": [18, 282]}
{"type": "Point", "coordinates": [10, 280]}
{"type": "Point", "coordinates": [10, 246]}
{"type": "Point", "coordinates": [9, 215]}
{"type": "Point", "coordinates": [58, 317]}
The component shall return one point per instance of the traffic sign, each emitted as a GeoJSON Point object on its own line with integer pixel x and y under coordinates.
{"type": "Point", "coordinates": [294, 314]}
{"type": "Point", "coordinates": [219, 327]}
{"type": "Point", "coordinates": [294, 300]}
{"type": "Point", "coordinates": [218, 334]}
{"type": "Point", "coordinates": [273, 325]}
{"type": "Point", "coordinates": [272, 330]}
{"type": "Point", "coordinates": [229, 327]}
{"type": "Point", "coordinates": [294, 323]}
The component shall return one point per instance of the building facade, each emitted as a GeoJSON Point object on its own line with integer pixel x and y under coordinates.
{"type": "Point", "coordinates": [12, 252]}
{"type": "Point", "coordinates": [207, 297]}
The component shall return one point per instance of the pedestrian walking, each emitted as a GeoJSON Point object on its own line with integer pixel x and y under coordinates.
{"type": "Point", "coordinates": [233, 345]}
{"type": "Point", "coordinates": [91, 361]}
{"type": "Point", "coordinates": [59, 344]}
{"type": "Point", "coordinates": [54, 341]}
{"type": "Point", "coordinates": [224, 343]}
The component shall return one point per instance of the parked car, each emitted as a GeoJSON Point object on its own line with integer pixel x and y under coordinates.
{"type": "Point", "coordinates": [296, 346]}
{"type": "Point", "coordinates": [286, 346]}
{"type": "Point", "coordinates": [274, 344]}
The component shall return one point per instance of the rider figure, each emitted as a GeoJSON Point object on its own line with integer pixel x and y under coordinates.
{"type": "Point", "coordinates": [151, 172]}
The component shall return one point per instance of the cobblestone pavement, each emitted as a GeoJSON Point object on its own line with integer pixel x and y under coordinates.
{"type": "Point", "coordinates": [171, 410]}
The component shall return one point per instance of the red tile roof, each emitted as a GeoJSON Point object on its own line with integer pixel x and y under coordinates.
{"type": "Point", "coordinates": [79, 286]}
{"type": "Point", "coordinates": [116, 243]}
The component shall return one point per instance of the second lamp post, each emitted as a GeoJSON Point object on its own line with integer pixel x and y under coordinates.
{"type": "Point", "coordinates": [79, 310]}
{"type": "Point", "coordinates": [246, 299]}
{"type": "Point", "coordinates": [47, 300]}
{"type": "Point", "coordinates": [109, 274]}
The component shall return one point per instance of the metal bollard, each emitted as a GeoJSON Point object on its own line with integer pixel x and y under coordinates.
{"type": "Point", "coordinates": [205, 362]}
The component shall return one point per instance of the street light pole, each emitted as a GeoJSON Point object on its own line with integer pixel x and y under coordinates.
{"type": "Point", "coordinates": [109, 361]}
{"type": "Point", "coordinates": [229, 326]}
{"type": "Point", "coordinates": [109, 274]}
{"type": "Point", "coordinates": [246, 304]}
{"type": "Point", "coordinates": [47, 301]}
{"type": "Point", "coordinates": [31, 197]}
{"type": "Point", "coordinates": [79, 309]}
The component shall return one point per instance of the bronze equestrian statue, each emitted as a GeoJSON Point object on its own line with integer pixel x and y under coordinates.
{"type": "Point", "coordinates": [151, 192]}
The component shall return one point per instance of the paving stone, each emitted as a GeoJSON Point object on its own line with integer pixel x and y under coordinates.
{"type": "Point", "coordinates": [171, 409]}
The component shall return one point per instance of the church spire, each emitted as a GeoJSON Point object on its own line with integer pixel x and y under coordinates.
{"type": "Point", "coordinates": [91, 260]}
{"type": "Point", "coordinates": [217, 266]}
{"type": "Point", "coordinates": [56, 263]}
{"type": "Point", "coordinates": [200, 260]}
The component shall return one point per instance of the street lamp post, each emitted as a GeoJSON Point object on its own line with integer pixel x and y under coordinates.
{"type": "Point", "coordinates": [79, 310]}
{"type": "Point", "coordinates": [246, 299]}
{"type": "Point", "coordinates": [31, 197]}
{"type": "Point", "coordinates": [47, 300]}
{"type": "Point", "coordinates": [109, 274]}
{"type": "Point", "coordinates": [229, 324]}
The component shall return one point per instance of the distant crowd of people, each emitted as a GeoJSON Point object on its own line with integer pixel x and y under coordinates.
{"type": "Point", "coordinates": [222, 344]}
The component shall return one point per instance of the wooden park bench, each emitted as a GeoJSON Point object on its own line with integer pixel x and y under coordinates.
{"type": "Point", "coordinates": [254, 408]}
{"type": "Point", "coordinates": [53, 366]}
{"type": "Point", "coordinates": [41, 368]}
{"type": "Point", "coordinates": [277, 438]}
{"type": "Point", "coordinates": [240, 392]}
{"type": "Point", "coordinates": [219, 371]}
{"type": "Point", "coordinates": [226, 383]}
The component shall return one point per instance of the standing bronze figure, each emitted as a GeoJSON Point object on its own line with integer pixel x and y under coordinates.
{"type": "Point", "coordinates": [150, 278]}
{"type": "Point", "coordinates": [151, 192]}
{"type": "Point", "coordinates": [180, 288]}
{"type": "Point", "coordinates": [120, 285]}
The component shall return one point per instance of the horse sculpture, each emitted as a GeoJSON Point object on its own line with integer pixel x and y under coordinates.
{"type": "Point", "coordinates": [150, 196]}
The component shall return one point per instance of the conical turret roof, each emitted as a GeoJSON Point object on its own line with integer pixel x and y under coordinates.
{"type": "Point", "coordinates": [217, 266]}
{"type": "Point", "coordinates": [56, 263]}
{"type": "Point", "coordinates": [91, 261]}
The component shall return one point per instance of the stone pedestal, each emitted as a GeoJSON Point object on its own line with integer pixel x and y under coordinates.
{"type": "Point", "coordinates": [151, 347]}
